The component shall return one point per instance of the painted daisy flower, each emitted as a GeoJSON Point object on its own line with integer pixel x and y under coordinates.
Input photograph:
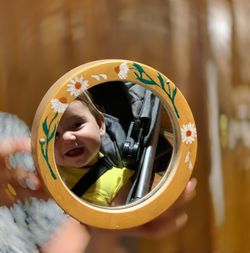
{"type": "Point", "coordinates": [59, 104]}
{"type": "Point", "coordinates": [77, 85]}
{"type": "Point", "coordinates": [188, 133]}
{"type": "Point", "coordinates": [122, 70]}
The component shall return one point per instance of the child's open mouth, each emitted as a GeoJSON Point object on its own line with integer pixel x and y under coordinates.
{"type": "Point", "coordinates": [75, 152]}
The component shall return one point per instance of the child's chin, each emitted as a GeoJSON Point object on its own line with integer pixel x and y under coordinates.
{"type": "Point", "coordinates": [73, 165]}
{"type": "Point", "coordinates": [79, 165]}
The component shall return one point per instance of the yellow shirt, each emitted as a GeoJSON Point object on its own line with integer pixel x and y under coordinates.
{"type": "Point", "coordinates": [104, 190]}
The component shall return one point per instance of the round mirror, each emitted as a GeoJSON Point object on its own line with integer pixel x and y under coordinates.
{"type": "Point", "coordinates": [115, 143]}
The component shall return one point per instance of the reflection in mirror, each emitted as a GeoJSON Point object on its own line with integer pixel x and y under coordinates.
{"type": "Point", "coordinates": [113, 144]}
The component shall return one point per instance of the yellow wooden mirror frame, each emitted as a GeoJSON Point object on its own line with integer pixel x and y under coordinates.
{"type": "Point", "coordinates": [64, 91]}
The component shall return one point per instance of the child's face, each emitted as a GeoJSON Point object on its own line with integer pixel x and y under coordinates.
{"type": "Point", "coordinates": [78, 137]}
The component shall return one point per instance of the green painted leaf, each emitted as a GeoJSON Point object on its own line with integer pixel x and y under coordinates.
{"type": "Point", "coordinates": [52, 134]}
{"type": "Point", "coordinates": [138, 67]}
{"type": "Point", "coordinates": [147, 81]}
{"type": "Point", "coordinates": [161, 80]}
{"type": "Point", "coordinates": [174, 93]}
{"type": "Point", "coordinates": [45, 127]}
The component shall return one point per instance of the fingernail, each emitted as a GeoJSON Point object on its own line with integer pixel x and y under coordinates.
{"type": "Point", "coordinates": [30, 183]}
{"type": "Point", "coordinates": [192, 184]}
{"type": "Point", "coordinates": [181, 220]}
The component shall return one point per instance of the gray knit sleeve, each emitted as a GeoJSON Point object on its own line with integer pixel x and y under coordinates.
{"type": "Point", "coordinates": [31, 223]}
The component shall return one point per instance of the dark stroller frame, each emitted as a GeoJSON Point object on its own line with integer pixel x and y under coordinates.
{"type": "Point", "coordinates": [142, 130]}
{"type": "Point", "coordinates": [146, 168]}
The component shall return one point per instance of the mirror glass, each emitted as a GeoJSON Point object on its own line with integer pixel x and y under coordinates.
{"type": "Point", "coordinates": [113, 144]}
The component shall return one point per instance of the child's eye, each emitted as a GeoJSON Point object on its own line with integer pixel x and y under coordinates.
{"type": "Point", "coordinates": [76, 125]}
{"type": "Point", "coordinates": [57, 135]}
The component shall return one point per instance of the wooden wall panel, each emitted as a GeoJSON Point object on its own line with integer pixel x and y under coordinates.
{"type": "Point", "coordinates": [196, 236]}
{"type": "Point", "coordinates": [43, 43]}
{"type": "Point", "coordinates": [231, 57]}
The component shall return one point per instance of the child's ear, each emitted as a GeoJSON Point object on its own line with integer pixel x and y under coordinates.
{"type": "Point", "coordinates": [102, 125]}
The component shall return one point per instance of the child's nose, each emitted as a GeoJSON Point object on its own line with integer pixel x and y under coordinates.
{"type": "Point", "coordinates": [68, 136]}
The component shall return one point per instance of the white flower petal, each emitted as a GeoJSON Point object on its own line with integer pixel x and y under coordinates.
{"type": "Point", "coordinates": [97, 77]}
{"type": "Point", "coordinates": [76, 91]}
{"type": "Point", "coordinates": [187, 158]}
{"type": "Point", "coordinates": [188, 133]}
{"type": "Point", "coordinates": [104, 76]}
{"type": "Point", "coordinates": [123, 70]}
{"type": "Point", "coordinates": [58, 106]}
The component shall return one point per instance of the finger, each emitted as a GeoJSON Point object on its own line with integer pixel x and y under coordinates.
{"type": "Point", "coordinates": [188, 194]}
{"type": "Point", "coordinates": [191, 185]}
{"type": "Point", "coordinates": [20, 175]}
{"type": "Point", "coordinates": [26, 179]}
{"type": "Point", "coordinates": [33, 181]}
{"type": "Point", "coordinates": [177, 207]}
{"type": "Point", "coordinates": [159, 227]}
{"type": "Point", "coordinates": [162, 227]}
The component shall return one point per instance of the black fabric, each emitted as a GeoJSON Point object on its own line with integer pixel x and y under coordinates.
{"type": "Point", "coordinates": [163, 154]}
{"type": "Point", "coordinates": [102, 166]}
{"type": "Point", "coordinates": [113, 99]}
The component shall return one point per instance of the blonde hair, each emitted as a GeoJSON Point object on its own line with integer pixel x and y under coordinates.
{"type": "Point", "coordinates": [86, 99]}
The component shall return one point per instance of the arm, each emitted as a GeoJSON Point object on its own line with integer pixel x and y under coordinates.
{"type": "Point", "coordinates": [19, 185]}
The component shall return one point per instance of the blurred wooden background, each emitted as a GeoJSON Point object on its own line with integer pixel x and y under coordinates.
{"type": "Point", "coordinates": [201, 45]}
